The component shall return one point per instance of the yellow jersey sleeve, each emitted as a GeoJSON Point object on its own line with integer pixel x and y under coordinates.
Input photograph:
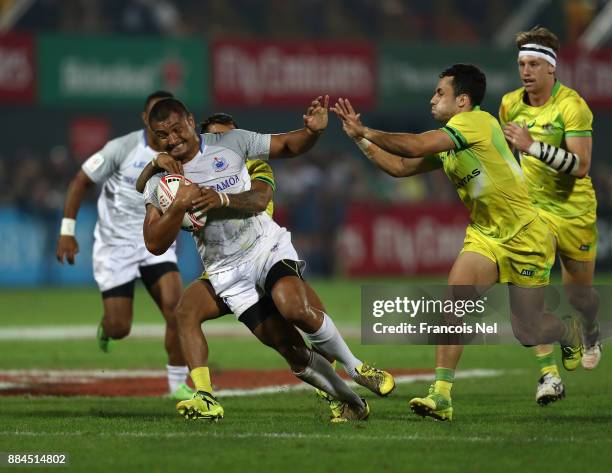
{"type": "Point", "coordinates": [577, 116]}
{"type": "Point", "coordinates": [464, 131]}
{"type": "Point", "coordinates": [261, 171]}
{"type": "Point", "coordinates": [503, 111]}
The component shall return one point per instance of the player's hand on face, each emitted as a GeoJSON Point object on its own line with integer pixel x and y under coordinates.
{"type": "Point", "coordinates": [185, 194]}
{"type": "Point", "coordinates": [67, 247]}
{"type": "Point", "coordinates": [209, 199]}
{"type": "Point", "coordinates": [518, 136]}
{"type": "Point", "coordinates": [316, 115]}
{"type": "Point", "coordinates": [169, 164]}
{"type": "Point", "coordinates": [351, 120]}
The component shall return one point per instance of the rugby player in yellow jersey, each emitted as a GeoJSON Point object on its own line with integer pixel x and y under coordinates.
{"type": "Point", "coordinates": [199, 304]}
{"type": "Point", "coordinates": [506, 241]}
{"type": "Point", "coordinates": [551, 126]}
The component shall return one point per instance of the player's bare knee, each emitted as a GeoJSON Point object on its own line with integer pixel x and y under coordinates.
{"type": "Point", "coordinates": [298, 311]}
{"type": "Point", "coordinates": [117, 329]}
{"type": "Point", "coordinates": [186, 316]}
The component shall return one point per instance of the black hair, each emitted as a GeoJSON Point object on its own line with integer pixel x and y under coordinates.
{"type": "Point", "coordinates": [162, 109]}
{"type": "Point", "coordinates": [219, 118]}
{"type": "Point", "coordinates": [158, 94]}
{"type": "Point", "coordinates": [467, 79]}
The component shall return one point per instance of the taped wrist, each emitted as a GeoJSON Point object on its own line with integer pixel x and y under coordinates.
{"type": "Point", "coordinates": [68, 226]}
{"type": "Point", "coordinates": [363, 144]}
{"type": "Point", "coordinates": [557, 158]}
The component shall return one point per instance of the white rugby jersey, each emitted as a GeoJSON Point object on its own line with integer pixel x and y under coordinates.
{"type": "Point", "coordinates": [228, 235]}
{"type": "Point", "coordinates": [120, 206]}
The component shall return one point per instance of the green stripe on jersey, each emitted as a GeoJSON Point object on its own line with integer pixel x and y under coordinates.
{"type": "Point", "coordinates": [579, 133]}
{"type": "Point", "coordinates": [266, 180]}
{"type": "Point", "coordinates": [456, 136]}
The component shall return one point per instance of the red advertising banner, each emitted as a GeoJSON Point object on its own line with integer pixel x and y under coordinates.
{"type": "Point", "coordinates": [402, 240]}
{"type": "Point", "coordinates": [88, 135]}
{"type": "Point", "coordinates": [292, 73]}
{"type": "Point", "coordinates": [590, 73]}
{"type": "Point", "coordinates": [17, 73]}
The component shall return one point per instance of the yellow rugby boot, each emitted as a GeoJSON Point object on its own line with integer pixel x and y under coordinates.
{"type": "Point", "coordinates": [378, 381]}
{"type": "Point", "coordinates": [202, 405]}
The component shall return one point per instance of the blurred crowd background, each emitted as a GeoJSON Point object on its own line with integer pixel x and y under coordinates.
{"type": "Point", "coordinates": [46, 140]}
{"type": "Point", "coordinates": [465, 21]}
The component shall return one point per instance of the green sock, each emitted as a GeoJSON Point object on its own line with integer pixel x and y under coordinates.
{"type": "Point", "coordinates": [547, 363]}
{"type": "Point", "coordinates": [444, 381]}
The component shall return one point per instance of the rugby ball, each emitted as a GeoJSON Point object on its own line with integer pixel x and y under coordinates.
{"type": "Point", "coordinates": [166, 191]}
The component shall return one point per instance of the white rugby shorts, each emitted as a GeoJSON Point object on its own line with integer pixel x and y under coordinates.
{"type": "Point", "coordinates": [242, 285]}
{"type": "Point", "coordinates": [115, 265]}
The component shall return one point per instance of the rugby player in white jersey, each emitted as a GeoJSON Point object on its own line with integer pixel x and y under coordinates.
{"type": "Point", "coordinates": [119, 252]}
{"type": "Point", "coordinates": [246, 254]}
{"type": "Point", "coordinates": [199, 302]}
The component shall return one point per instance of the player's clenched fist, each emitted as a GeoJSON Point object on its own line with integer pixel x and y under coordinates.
{"type": "Point", "coordinates": [210, 199]}
{"type": "Point", "coordinates": [186, 193]}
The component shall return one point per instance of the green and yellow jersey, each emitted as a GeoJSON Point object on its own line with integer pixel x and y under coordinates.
{"type": "Point", "coordinates": [260, 170]}
{"type": "Point", "coordinates": [487, 177]}
{"type": "Point", "coordinates": [565, 114]}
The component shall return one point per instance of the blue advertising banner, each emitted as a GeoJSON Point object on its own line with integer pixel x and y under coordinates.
{"type": "Point", "coordinates": [27, 252]}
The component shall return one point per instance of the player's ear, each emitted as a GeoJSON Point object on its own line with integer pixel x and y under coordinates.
{"type": "Point", "coordinates": [145, 119]}
{"type": "Point", "coordinates": [462, 100]}
{"type": "Point", "coordinates": [191, 120]}
{"type": "Point", "coordinates": [551, 69]}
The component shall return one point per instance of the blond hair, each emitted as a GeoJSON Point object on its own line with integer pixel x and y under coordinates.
{"type": "Point", "coordinates": [538, 35]}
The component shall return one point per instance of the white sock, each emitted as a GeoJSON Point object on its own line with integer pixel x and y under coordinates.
{"type": "Point", "coordinates": [320, 374]}
{"type": "Point", "coordinates": [328, 340]}
{"type": "Point", "coordinates": [177, 375]}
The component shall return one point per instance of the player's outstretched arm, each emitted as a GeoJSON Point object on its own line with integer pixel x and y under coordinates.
{"type": "Point", "coordinates": [255, 200]}
{"type": "Point", "coordinates": [160, 230]}
{"type": "Point", "coordinates": [407, 145]}
{"type": "Point", "coordinates": [397, 166]}
{"type": "Point", "coordinates": [294, 143]}
{"type": "Point", "coordinates": [67, 246]}
{"type": "Point", "coordinates": [161, 162]}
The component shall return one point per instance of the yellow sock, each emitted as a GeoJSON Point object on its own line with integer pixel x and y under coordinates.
{"type": "Point", "coordinates": [201, 379]}
{"type": "Point", "coordinates": [547, 363]}
{"type": "Point", "coordinates": [443, 387]}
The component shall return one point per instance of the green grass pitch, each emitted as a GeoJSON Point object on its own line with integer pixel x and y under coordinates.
{"type": "Point", "coordinates": [498, 426]}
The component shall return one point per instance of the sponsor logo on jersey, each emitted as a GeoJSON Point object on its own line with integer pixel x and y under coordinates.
{"type": "Point", "coordinates": [527, 272]}
{"type": "Point", "coordinates": [227, 183]}
{"type": "Point", "coordinates": [140, 164]}
{"type": "Point", "coordinates": [220, 163]}
{"type": "Point", "coordinates": [464, 180]}
{"type": "Point", "coordinates": [585, 247]}
{"type": "Point", "coordinates": [548, 128]}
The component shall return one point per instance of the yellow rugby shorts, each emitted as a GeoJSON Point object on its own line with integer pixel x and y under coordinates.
{"type": "Point", "coordinates": [576, 236]}
{"type": "Point", "coordinates": [525, 260]}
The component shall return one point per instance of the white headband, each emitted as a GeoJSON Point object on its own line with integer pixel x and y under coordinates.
{"type": "Point", "coordinates": [532, 49]}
